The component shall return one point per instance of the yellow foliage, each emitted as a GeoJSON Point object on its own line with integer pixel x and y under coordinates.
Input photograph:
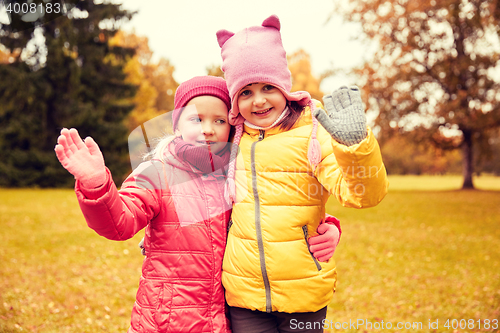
{"type": "Point", "coordinates": [156, 85]}
{"type": "Point", "coordinates": [6, 57]}
{"type": "Point", "coordinates": [299, 64]}
{"type": "Point", "coordinates": [215, 70]}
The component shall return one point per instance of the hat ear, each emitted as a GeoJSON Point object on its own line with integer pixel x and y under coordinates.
{"type": "Point", "coordinates": [272, 22]}
{"type": "Point", "coordinates": [223, 36]}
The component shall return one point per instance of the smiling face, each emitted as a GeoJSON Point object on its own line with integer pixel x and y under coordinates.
{"type": "Point", "coordinates": [261, 103]}
{"type": "Point", "coordinates": [204, 122]}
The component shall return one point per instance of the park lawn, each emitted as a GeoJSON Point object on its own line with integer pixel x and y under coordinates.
{"type": "Point", "coordinates": [57, 274]}
{"type": "Point", "coordinates": [445, 182]}
{"type": "Point", "coordinates": [417, 256]}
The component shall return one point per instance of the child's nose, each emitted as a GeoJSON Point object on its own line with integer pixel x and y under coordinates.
{"type": "Point", "coordinates": [207, 129]}
{"type": "Point", "coordinates": [259, 100]}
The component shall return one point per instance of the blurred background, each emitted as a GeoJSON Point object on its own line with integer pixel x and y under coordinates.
{"type": "Point", "coordinates": [429, 72]}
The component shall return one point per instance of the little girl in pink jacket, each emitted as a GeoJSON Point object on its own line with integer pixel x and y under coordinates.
{"type": "Point", "coordinates": [178, 196]}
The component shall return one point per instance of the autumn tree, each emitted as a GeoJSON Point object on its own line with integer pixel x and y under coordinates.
{"type": "Point", "coordinates": [4, 56]}
{"type": "Point", "coordinates": [155, 80]}
{"type": "Point", "coordinates": [61, 72]}
{"type": "Point", "coordinates": [299, 64]}
{"type": "Point", "coordinates": [489, 160]}
{"type": "Point", "coordinates": [432, 75]}
{"type": "Point", "coordinates": [403, 156]}
{"type": "Point", "coordinates": [215, 70]}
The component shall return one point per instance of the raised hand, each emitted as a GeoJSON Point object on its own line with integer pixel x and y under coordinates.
{"type": "Point", "coordinates": [345, 117]}
{"type": "Point", "coordinates": [83, 159]}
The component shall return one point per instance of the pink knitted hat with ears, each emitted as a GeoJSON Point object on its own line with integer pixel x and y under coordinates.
{"type": "Point", "coordinates": [256, 54]}
{"type": "Point", "coordinates": [199, 86]}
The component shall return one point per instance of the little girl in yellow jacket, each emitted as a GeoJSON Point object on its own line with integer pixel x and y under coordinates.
{"type": "Point", "coordinates": [287, 167]}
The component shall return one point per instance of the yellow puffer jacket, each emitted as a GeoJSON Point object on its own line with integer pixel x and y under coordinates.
{"type": "Point", "coordinates": [280, 201]}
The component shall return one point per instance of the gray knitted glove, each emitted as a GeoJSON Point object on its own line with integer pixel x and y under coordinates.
{"type": "Point", "coordinates": [344, 118]}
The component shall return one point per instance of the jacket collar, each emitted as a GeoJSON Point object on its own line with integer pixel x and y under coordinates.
{"type": "Point", "coordinates": [171, 159]}
{"type": "Point", "coordinates": [304, 119]}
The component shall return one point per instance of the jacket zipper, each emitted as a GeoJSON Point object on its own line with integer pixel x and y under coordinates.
{"type": "Point", "coordinates": [304, 229]}
{"type": "Point", "coordinates": [258, 225]}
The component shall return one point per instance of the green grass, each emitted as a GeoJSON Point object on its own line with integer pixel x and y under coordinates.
{"type": "Point", "coordinates": [58, 275]}
{"type": "Point", "coordinates": [419, 255]}
{"type": "Point", "coordinates": [441, 183]}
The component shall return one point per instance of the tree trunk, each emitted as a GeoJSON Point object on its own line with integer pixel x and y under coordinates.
{"type": "Point", "coordinates": [467, 160]}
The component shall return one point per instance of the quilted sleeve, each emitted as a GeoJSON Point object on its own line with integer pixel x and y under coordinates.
{"type": "Point", "coordinates": [355, 174]}
{"type": "Point", "coordinates": [119, 215]}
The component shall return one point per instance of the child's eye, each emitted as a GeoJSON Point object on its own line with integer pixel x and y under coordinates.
{"type": "Point", "coordinates": [245, 93]}
{"type": "Point", "coordinates": [220, 121]}
{"type": "Point", "coordinates": [195, 119]}
{"type": "Point", "coordinates": [269, 87]}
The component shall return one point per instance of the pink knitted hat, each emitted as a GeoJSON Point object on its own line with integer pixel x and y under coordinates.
{"type": "Point", "coordinates": [199, 86]}
{"type": "Point", "coordinates": [256, 54]}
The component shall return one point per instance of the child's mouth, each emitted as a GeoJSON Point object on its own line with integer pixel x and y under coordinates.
{"type": "Point", "coordinates": [263, 112]}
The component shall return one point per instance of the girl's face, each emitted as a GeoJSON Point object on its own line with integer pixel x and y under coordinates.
{"type": "Point", "coordinates": [261, 103]}
{"type": "Point", "coordinates": [205, 124]}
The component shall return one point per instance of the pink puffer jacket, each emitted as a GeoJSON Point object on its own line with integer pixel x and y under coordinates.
{"type": "Point", "coordinates": [186, 221]}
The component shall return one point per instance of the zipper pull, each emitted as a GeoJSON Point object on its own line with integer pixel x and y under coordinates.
{"type": "Point", "coordinates": [261, 134]}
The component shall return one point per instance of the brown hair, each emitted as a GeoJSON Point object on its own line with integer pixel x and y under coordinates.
{"type": "Point", "coordinates": [295, 113]}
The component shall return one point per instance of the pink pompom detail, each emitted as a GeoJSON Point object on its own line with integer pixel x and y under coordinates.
{"type": "Point", "coordinates": [314, 151]}
{"type": "Point", "coordinates": [230, 191]}
{"type": "Point", "coordinates": [230, 185]}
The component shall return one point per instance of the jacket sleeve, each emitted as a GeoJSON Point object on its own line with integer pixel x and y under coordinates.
{"type": "Point", "coordinates": [355, 174]}
{"type": "Point", "coordinates": [119, 215]}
